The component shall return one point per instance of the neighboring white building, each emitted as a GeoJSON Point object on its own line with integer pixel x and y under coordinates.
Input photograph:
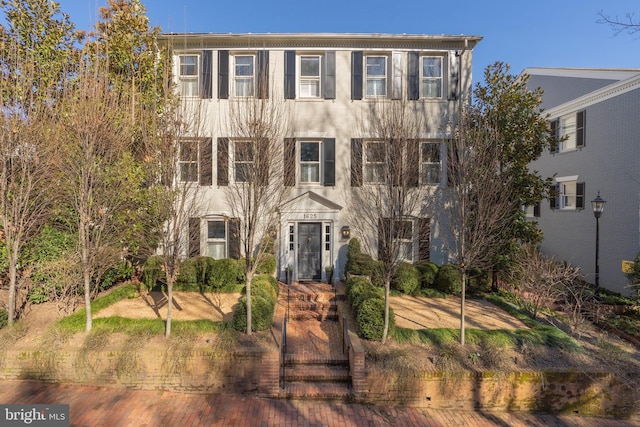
{"type": "Point", "coordinates": [598, 112]}
{"type": "Point", "coordinates": [327, 82]}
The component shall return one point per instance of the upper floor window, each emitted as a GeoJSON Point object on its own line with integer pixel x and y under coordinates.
{"type": "Point", "coordinates": [310, 78]}
{"type": "Point", "coordinates": [374, 162]}
{"type": "Point", "coordinates": [217, 239]}
{"type": "Point", "coordinates": [243, 160]}
{"type": "Point", "coordinates": [310, 162]}
{"type": "Point", "coordinates": [188, 75]}
{"type": "Point", "coordinates": [431, 77]}
{"type": "Point", "coordinates": [569, 131]}
{"type": "Point", "coordinates": [430, 164]}
{"type": "Point", "coordinates": [244, 75]}
{"type": "Point", "coordinates": [376, 76]}
{"type": "Point", "coordinates": [567, 194]}
{"type": "Point", "coordinates": [188, 160]}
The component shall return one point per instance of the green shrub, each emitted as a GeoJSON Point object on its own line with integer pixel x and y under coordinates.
{"type": "Point", "coordinates": [270, 279]}
{"type": "Point", "coordinates": [448, 279]}
{"type": "Point", "coordinates": [4, 318]}
{"type": "Point", "coordinates": [123, 271]}
{"type": "Point", "coordinates": [428, 272]}
{"type": "Point", "coordinates": [266, 264]}
{"type": "Point", "coordinates": [361, 292]}
{"type": "Point", "coordinates": [370, 319]}
{"type": "Point", "coordinates": [261, 314]}
{"type": "Point", "coordinates": [377, 273]}
{"type": "Point", "coordinates": [222, 273]}
{"type": "Point", "coordinates": [152, 271]}
{"type": "Point", "coordinates": [361, 265]}
{"type": "Point", "coordinates": [187, 275]}
{"type": "Point", "coordinates": [353, 281]}
{"type": "Point", "coordinates": [406, 279]}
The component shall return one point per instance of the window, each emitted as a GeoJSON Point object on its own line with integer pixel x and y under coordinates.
{"type": "Point", "coordinates": [188, 75]}
{"type": "Point", "coordinates": [403, 233]}
{"type": "Point", "coordinates": [244, 75]}
{"type": "Point", "coordinates": [189, 160]}
{"type": "Point", "coordinates": [567, 133]}
{"type": "Point", "coordinates": [430, 165]}
{"type": "Point", "coordinates": [243, 160]}
{"type": "Point", "coordinates": [217, 239]}
{"type": "Point", "coordinates": [431, 77]}
{"type": "Point", "coordinates": [531, 211]}
{"type": "Point", "coordinates": [570, 131]}
{"type": "Point", "coordinates": [310, 76]}
{"type": "Point", "coordinates": [309, 162]}
{"type": "Point", "coordinates": [374, 159]}
{"type": "Point", "coordinates": [376, 76]}
{"type": "Point", "coordinates": [567, 194]}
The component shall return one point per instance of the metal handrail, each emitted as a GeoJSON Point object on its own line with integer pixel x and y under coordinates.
{"type": "Point", "coordinates": [284, 348]}
{"type": "Point", "coordinates": [346, 339]}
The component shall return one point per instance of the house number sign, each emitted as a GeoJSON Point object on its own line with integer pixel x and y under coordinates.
{"type": "Point", "coordinates": [310, 216]}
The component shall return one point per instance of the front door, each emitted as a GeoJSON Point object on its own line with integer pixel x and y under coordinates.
{"type": "Point", "coordinates": [309, 250]}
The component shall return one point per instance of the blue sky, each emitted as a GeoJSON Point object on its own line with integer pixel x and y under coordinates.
{"type": "Point", "coordinates": [540, 33]}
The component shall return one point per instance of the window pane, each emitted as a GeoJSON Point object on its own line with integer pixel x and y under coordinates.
{"type": "Point", "coordinates": [431, 88]}
{"type": "Point", "coordinates": [309, 152]}
{"type": "Point", "coordinates": [242, 172]}
{"type": "Point", "coordinates": [243, 151]}
{"type": "Point", "coordinates": [244, 87]}
{"type": "Point", "coordinates": [217, 250]}
{"type": "Point", "coordinates": [189, 172]}
{"type": "Point", "coordinates": [189, 65]}
{"type": "Point", "coordinates": [374, 172]}
{"type": "Point", "coordinates": [309, 88]}
{"type": "Point", "coordinates": [376, 87]}
{"type": "Point", "coordinates": [188, 150]}
{"type": "Point", "coordinates": [216, 230]}
{"type": "Point", "coordinates": [189, 87]}
{"type": "Point", "coordinates": [375, 152]}
{"type": "Point", "coordinates": [310, 172]}
{"type": "Point", "coordinates": [376, 66]}
{"type": "Point", "coordinates": [430, 173]}
{"type": "Point", "coordinates": [244, 65]}
{"type": "Point", "coordinates": [431, 67]}
{"type": "Point", "coordinates": [568, 131]}
{"type": "Point", "coordinates": [431, 152]}
{"type": "Point", "coordinates": [310, 66]}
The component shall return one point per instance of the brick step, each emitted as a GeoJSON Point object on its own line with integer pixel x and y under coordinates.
{"type": "Point", "coordinates": [291, 359]}
{"type": "Point", "coordinates": [318, 392]}
{"type": "Point", "coordinates": [304, 315]}
{"type": "Point", "coordinates": [317, 374]}
{"type": "Point", "coordinates": [311, 305]}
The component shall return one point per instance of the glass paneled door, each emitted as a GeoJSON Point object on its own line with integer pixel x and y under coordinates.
{"type": "Point", "coordinates": [309, 250]}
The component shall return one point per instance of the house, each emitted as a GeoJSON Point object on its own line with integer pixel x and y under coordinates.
{"type": "Point", "coordinates": [326, 83]}
{"type": "Point", "coordinates": [596, 113]}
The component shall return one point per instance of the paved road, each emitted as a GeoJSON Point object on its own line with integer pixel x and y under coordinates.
{"type": "Point", "coordinates": [114, 407]}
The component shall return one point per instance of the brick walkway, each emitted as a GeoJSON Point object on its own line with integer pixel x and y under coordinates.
{"type": "Point", "coordinates": [114, 407]}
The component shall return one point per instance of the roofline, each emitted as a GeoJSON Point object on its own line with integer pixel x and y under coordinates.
{"type": "Point", "coordinates": [272, 40]}
{"type": "Point", "coordinates": [589, 73]}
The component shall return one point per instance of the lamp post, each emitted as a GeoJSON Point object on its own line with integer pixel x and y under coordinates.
{"type": "Point", "coordinates": [598, 207]}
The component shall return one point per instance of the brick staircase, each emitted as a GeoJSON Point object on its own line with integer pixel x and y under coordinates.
{"type": "Point", "coordinates": [314, 364]}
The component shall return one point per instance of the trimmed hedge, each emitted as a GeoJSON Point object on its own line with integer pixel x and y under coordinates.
{"type": "Point", "coordinates": [261, 314]}
{"type": "Point", "coordinates": [449, 279]}
{"type": "Point", "coordinates": [222, 273]}
{"type": "Point", "coordinates": [152, 271]}
{"type": "Point", "coordinates": [406, 279]}
{"type": "Point", "coordinates": [370, 319]}
{"type": "Point", "coordinates": [266, 264]}
{"type": "Point", "coordinates": [428, 272]}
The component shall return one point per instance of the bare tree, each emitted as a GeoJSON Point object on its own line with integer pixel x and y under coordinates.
{"type": "Point", "coordinates": [25, 177]}
{"type": "Point", "coordinates": [98, 178]}
{"type": "Point", "coordinates": [258, 125]}
{"type": "Point", "coordinates": [389, 199]}
{"type": "Point", "coordinates": [540, 280]}
{"type": "Point", "coordinates": [629, 24]}
{"type": "Point", "coordinates": [479, 200]}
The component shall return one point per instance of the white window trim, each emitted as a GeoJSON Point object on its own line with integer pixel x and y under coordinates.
{"type": "Point", "coordinates": [385, 78]}
{"type": "Point", "coordinates": [365, 162]}
{"type": "Point", "coordinates": [441, 78]}
{"type": "Point", "coordinates": [195, 78]}
{"type": "Point", "coordinates": [299, 77]}
{"type": "Point", "coordinates": [232, 158]}
{"type": "Point", "coordinates": [189, 162]}
{"type": "Point", "coordinates": [235, 78]}
{"type": "Point", "coordinates": [562, 181]}
{"type": "Point", "coordinates": [410, 240]}
{"type": "Point", "coordinates": [224, 240]}
{"type": "Point", "coordinates": [299, 162]}
{"type": "Point", "coordinates": [440, 172]}
{"type": "Point", "coordinates": [562, 144]}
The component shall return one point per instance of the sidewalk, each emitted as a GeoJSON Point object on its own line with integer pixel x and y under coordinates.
{"type": "Point", "coordinates": [114, 407]}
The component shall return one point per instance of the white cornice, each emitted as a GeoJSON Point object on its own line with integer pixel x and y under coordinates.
{"type": "Point", "coordinates": [585, 73]}
{"type": "Point", "coordinates": [595, 97]}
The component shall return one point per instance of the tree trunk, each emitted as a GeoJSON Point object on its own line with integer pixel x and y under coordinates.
{"type": "Point", "coordinates": [247, 284]}
{"type": "Point", "coordinates": [87, 298]}
{"type": "Point", "coordinates": [12, 290]}
{"type": "Point", "coordinates": [462, 297]}
{"type": "Point", "coordinates": [385, 331]}
{"type": "Point", "coordinates": [167, 330]}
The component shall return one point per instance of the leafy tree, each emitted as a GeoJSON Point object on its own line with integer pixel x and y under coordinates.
{"type": "Point", "coordinates": [521, 129]}
{"type": "Point", "coordinates": [634, 274]}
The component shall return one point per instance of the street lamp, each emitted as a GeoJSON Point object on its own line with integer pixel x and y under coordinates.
{"type": "Point", "coordinates": [598, 207]}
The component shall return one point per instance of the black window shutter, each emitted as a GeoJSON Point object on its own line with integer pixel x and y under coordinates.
{"type": "Point", "coordinates": [536, 210]}
{"type": "Point", "coordinates": [580, 125]}
{"type": "Point", "coordinates": [554, 127]}
{"type": "Point", "coordinates": [233, 239]}
{"type": "Point", "coordinates": [223, 161]}
{"type": "Point", "coordinates": [356, 162]}
{"type": "Point", "coordinates": [413, 158]}
{"type": "Point", "coordinates": [263, 74]}
{"type": "Point", "coordinates": [329, 160]}
{"type": "Point", "coordinates": [290, 74]}
{"type": "Point", "coordinates": [454, 75]}
{"type": "Point", "coordinates": [384, 236]}
{"type": "Point", "coordinates": [329, 75]}
{"type": "Point", "coordinates": [356, 74]}
{"type": "Point", "coordinates": [424, 239]}
{"type": "Point", "coordinates": [262, 173]}
{"type": "Point", "coordinates": [580, 195]}
{"type": "Point", "coordinates": [206, 162]}
{"type": "Point", "coordinates": [223, 74]}
{"type": "Point", "coordinates": [205, 81]}
{"type": "Point", "coordinates": [194, 237]}
{"type": "Point", "coordinates": [452, 167]}
{"type": "Point", "coordinates": [289, 162]}
{"type": "Point", "coordinates": [413, 76]}
{"type": "Point", "coordinates": [553, 196]}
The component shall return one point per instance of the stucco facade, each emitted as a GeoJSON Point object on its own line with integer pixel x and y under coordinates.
{"type": "Point", "coordinates": [598, 112]}
{"type": "Point", "coordinates": [327, 84]}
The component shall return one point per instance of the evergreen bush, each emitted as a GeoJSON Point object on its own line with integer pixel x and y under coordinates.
{"type": "Point", "coordinates": [152, 271]}
{"type": "Point", "coordinates": [428, 272]}
{"type": "Point", "coordinates": [448, 279]}
{"type": "Point", "coordinates": [266, 264]}
{"type": "Point", "coordinates": [406, 279]}
{"type": "Point", "coordinates": [222, 272]}
{"type": "Point", "coordinates": [261, 314]}
{"type": "Point", "coordinates": [370, 319]}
